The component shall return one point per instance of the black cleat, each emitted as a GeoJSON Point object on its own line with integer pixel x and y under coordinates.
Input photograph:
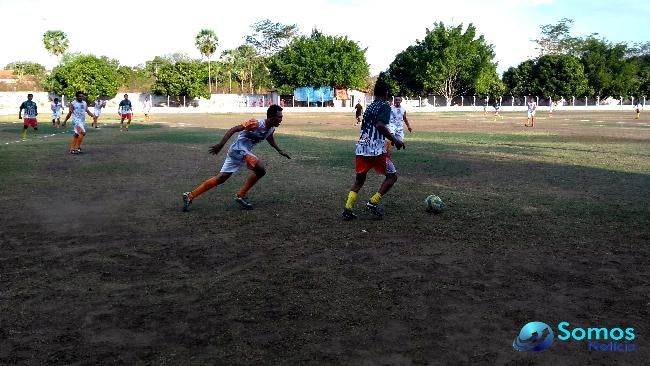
{"type": "Point", "coordinates": [187, 201]}
{"type": "Point", "coordinates": [348, 214]}
{"type": "Point", "coordinates": [243, 203]}
{"type": "Point", "coordinates": [375, 210]}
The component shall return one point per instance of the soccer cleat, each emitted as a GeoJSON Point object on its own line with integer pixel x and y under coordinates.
{"type": "Point", "coordinates": [243, 203]}
{"type": "Point", "coordinates": [187, 201]}
{"type": "Point", "coordinates": [375, 210]}
{"type": "Point", "coordinates": [348, 214]}
{"type": "Point", "coordinates": [73, 152]}
{"type": "Point", "coordinates": [78, 150]}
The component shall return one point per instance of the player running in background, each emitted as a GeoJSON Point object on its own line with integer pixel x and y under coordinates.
{"type": "Point", "coordinates": [358, 113]}
{"type": "Point", "coordinates": [78, 109]}
{"type": "Point", "coordinates": [98, 105]}
{"type": "Point", "coordinates": [57, 109]}
{"type": "Point", "coordinates": [31, 111]}
{"type": "Point", "coordinates": [532, 106]}
{"type": "Point", "coordinates": [637, 108]}
{"type": "Point", "coordinates": [146, 107]}
{"type": "Point", "coordinates": [396, 126]}
{"type": "Point", "coordinates": [371, 153]}
{"type": "Point", "coordinates": [125, 110]}
{"type": "Point", "coordinates": [251, 133]}
{"type": "Point", "coordinates": [551, 106]}
{"type": "Point", "coordinates": [497, 111]}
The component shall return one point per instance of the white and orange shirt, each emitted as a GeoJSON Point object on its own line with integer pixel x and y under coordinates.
{"type": "Point", "coordinates": [255, 131]}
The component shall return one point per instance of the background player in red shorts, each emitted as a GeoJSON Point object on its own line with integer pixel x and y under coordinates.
{"type": "Point", "coordinates": [31, 111]}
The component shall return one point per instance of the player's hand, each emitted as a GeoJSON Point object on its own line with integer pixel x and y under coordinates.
{"type": "Point", "coordinates": [281, 152]}
{"type": "Point", "coordinates": [410, 129]}
{"type": "Point", "coordinates": [20, 117]}
{"type": "Point", "coordinates": [214, 150]}
{"type": "Point", "coordinates": [399, 144]}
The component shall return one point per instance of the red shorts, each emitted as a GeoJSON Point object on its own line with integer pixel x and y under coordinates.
{"type": "Point", "coordinates": [29, 122]}
{"type": "Point", "coordinates": [127, 116]}
{"type": "Point", "coordinates": [363, 164]}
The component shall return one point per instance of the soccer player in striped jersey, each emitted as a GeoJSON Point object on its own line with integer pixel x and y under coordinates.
{"type": "Point", "coordinates": [31, 111]}
{"type": "Point", "coordinates": [78, 109]}
{"type": "Point", "coordinates": [371, 153]}
{"type": "Point", "coordinates": [251, 133]}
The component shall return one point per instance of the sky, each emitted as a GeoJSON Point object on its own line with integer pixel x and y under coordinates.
{"type": "Point", "coordinates": [138, 30]}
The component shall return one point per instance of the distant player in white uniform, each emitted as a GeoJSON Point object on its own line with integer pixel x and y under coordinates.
{"type": "Point", "coordinates": [251, 133]}
{"type": "Point", "coordinates": [396, 127]}
{"type": "Point", "coordinates": [146, 108]}
{"type": "Point", "coordinates": [98, 104]}
{"type": "Point", "coordinates": [497, 111]}
{"type": "Point", "coordinates": [551, 105]}
{"type": "Point", "coordinates": [532, 107]}
{"type": "Point", "coordinates": [57, 109]}
{"type": "Point", "coordinates": [637, 108]}
{"type": "Point", "coordinates": [78, 109]}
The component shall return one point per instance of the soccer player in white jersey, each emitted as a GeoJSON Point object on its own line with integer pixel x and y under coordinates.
{"type": "Point", "coordinates": [637, 108]}
{"type": "Point", "coordinates": [98, 104]}
{"type": "Point", "coordinates": [78, 109]}
{"type": "Point", "coordinates": [56, 108]}
{"type": "Point", "coordinates": [370, 153]}
{"type": "Point", "coordinates": [251, 133]}
{"type": "Point", "coordinates": [532, 106]}
{"type": "Point", "coordinates": [398, 119]}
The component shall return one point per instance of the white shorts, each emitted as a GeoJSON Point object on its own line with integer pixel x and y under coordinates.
{"type": "Point", "coordinates": [236, 159]}
{"type": "Point", "coordinates": [390, 166]}
{"type": "Point", "coordinates": [398, 132]}
{"type": "Point", "coordinates": [78, 127]}
{"type": "Point", "coordinates": [98, 112]}
{"type": "Point", "coordinates": [531, 114]}
{"type": "Point", "coordinates": [56, 115]}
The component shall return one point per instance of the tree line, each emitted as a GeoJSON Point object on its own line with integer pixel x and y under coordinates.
{"type": "Point", "coordinates": [449, 61]}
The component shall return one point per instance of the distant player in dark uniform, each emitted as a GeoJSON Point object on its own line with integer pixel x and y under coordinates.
{"type": "Point", "coordinates": [31, 111]}
{"type": "Point", "coordinates": [125, 110]}
{"type": "Point", "coordinates": [358, 113]}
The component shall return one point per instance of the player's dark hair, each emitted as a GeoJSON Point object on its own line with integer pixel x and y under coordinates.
{"type": "Point", "coordinates": [382, 89]}
{"type": "Point", "coordinates": [30, 95]}
{"type": "Point", "coordinates": [78, 93]}
{"type": "Point", "coordinates": [56, 99]}
{"type": "Point", "coordinates": [273, 110]}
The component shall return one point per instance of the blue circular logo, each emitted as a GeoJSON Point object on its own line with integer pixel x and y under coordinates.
{"type": "Point", "coordinates": [534, 337]}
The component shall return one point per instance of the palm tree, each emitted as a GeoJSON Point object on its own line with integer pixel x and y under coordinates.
{"type": "Point", "coordinates": [228, 60]}
{"type": "Point", "coordinates": [56, 43]}
{"type": "Point", "coordinates": [206, 42]}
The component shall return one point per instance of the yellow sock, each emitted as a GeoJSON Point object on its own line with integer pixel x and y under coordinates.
{"type": "Point", "coordinates": [24, 134]}
{"type": "Point", "coordinates": [375, 198]}
{"type": "Point", "coordinates": [352, 198]}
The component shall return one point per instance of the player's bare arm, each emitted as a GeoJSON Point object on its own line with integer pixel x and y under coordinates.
{"type": "Point", "coordinates": [386, 132]}
{"type": "Point", "coordinates": [271, 141]}
{"type": "Point", "coordinates": [91, 114]}
{"type": "Point", "coordinates": [406, 121]}
{"type": "Point", "coordinates": [70, 110]}
{"type": "Point", "coordinates": [214, 149]}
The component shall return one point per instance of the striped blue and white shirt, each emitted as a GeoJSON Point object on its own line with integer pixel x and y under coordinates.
{"type": "Point", "coordinates": [371, 141]}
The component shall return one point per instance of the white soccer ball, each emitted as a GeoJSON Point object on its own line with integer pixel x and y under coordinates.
{"type": "Point", "coordinates": [434, 204]}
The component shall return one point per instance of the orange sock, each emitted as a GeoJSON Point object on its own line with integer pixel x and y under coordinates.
{"type": "Point", "coordinates": [73, 143]}
{"type": "Point", "coordinates": [80, 139]}
{"type": "Point", "coordinates": [250, 182]}
{"type": "Point", "coordinates": [205, 186]}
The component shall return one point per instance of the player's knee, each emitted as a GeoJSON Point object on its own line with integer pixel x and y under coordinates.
{"type": "Point", "coordinates": [260, 171]}
{"type": "Point", "coordinates": [76, 134]}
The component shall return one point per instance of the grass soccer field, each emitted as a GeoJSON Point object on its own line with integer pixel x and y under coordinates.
{"type": "Point", "coordinates": [98, 265]}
